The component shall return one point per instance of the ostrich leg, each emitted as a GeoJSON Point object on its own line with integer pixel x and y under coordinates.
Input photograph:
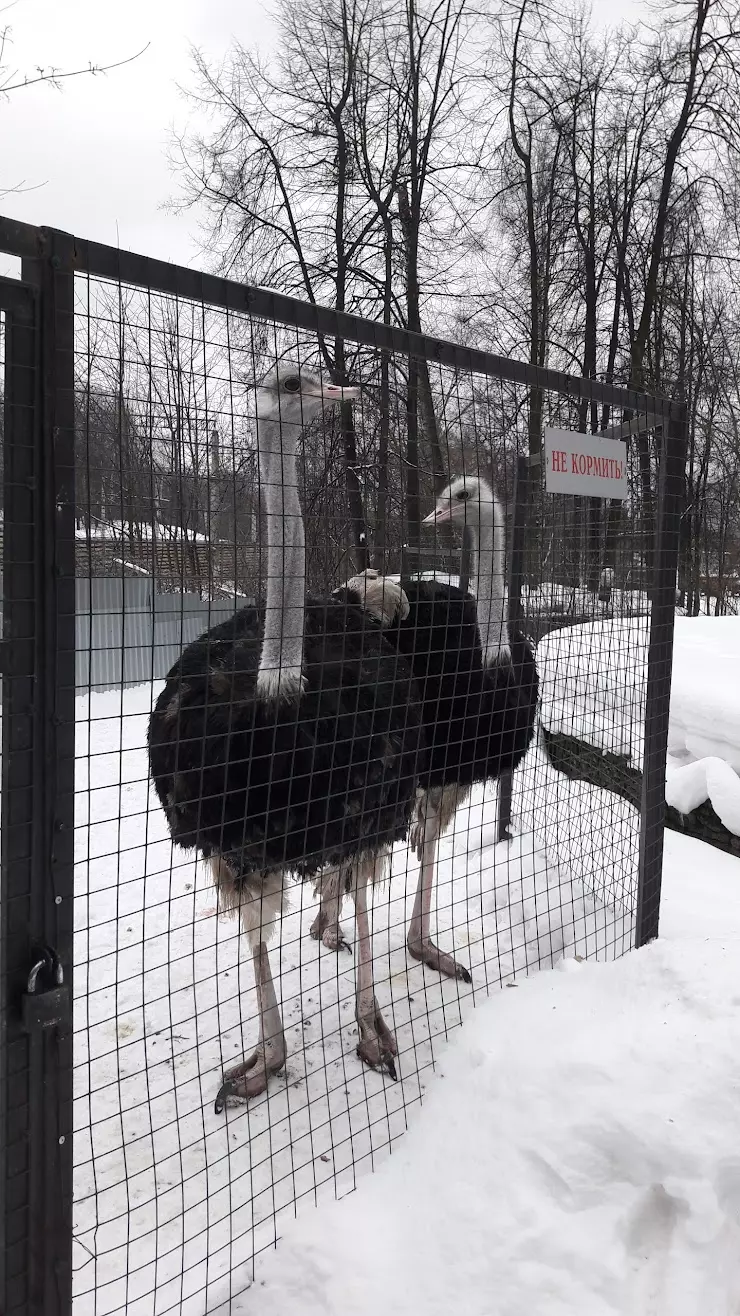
{"type": "Point", "coordinates": [251, 1077]}
{"type": "Point", "coordinates": [419, 942]}
{"type": "Point", "coordinates": [326, 927]}
{"type": "Point", "coordinates": [377, 1045]}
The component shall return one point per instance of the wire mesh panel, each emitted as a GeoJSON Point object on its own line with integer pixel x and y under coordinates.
{"type": "Point", "coordinates": [303, 836]}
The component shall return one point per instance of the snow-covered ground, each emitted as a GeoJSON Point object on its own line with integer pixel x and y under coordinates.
{"type": "Point", "coordinates": [578, 1153]}
{"type": "Point", "coordinates": [594, 680]}
{"type": "Point", "coordinates": [569, 600]}
{"type": "Point", "coordinates": [174, 1202]}
{"type": "Point", "coordinates": [578, 1188]}
{"type": "Point", "coordinates": [139, 531]}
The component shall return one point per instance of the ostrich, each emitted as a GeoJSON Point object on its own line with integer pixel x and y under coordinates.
{"type": "Point", "coordinates": [479, 698]}
{"type": "Point", "coordinates": [288, 740]}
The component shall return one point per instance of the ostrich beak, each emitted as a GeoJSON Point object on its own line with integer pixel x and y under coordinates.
{"type": "Point", "coordinates": [439, 515]}
{"type": "Point", "coordinates": [337, 393]}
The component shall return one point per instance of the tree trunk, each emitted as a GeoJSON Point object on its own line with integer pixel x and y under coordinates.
{"type": "Point", "coordinates": [640, 344]}
{"type": "Point", "coordinates": [412, 538]}
{"type": "Point", "coordinates": [354, 489]}
{"type": "Point", "coordinates": [421, 390]}
{"type": "Point", "coordinates": [431, 434]}
{"type": "Point", "coordinates": [381, 520]}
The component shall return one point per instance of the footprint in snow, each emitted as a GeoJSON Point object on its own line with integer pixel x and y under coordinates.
{"type": "Point", "coordinates": [648, 1237]}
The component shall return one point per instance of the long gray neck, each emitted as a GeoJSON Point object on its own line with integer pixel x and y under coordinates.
{"type": "Point", "coordinates": [488, 567]}
{"type": "Point", "coordinates": [279, 675]}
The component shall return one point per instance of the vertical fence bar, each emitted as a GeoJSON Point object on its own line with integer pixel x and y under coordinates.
{"type": "Point", "coordinates": [19, 724]}
{"type": "Point", "coordinates": [53, 882]}
{"type": "Point", "coordinates": [671, 478]}
{"type": "Point", "coordinates": [38, 784]}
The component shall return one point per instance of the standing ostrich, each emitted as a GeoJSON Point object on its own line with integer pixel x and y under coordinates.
{"type": "Point", "coordinates": [288, 740]}
{"type": "Point", "coordinates": [479, 698]}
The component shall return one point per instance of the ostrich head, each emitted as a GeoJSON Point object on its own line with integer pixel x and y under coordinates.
{"type": "Point", "coordinates": [471, 501]}
{"type": "Point", "coordinates": [292, 397]}
{"type": "Point", "coordinates": [468, 499]}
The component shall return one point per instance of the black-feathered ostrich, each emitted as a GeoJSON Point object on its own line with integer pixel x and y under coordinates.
{"type": "Point", "coordinates": [288, 741]}
{"type": "Point", "coordinates": [479, 697]}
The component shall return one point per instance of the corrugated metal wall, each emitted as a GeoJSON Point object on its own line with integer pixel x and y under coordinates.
{"type": "Point", "coordinates": [127, 633]}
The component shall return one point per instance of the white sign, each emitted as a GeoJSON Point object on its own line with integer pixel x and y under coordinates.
{"type": "Point", "coordinates": [587, 464]}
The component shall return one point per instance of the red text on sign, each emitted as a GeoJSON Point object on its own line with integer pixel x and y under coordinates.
{"type": "Point", "coordinates": [605, 468]}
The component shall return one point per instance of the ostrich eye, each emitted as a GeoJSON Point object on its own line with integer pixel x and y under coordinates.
{"type": "Point", "coordinates": [463, 496]}
{"type": "Point", "coordinates": [292, 384]}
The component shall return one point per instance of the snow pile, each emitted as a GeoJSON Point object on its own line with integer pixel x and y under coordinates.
{"type": "Point", "coordinates": [579, 1153]}
{"type": "Point", "coordinates": [709, 779]}
{"type": "Point", "coordinates": [593, 688]}
{"type": "Point", "coordinates": [704, 732]}
{"type": "Point", "coordinates": [705, 690]}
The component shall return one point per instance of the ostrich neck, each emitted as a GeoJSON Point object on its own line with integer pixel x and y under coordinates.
{"type": "Point", "coordinates": [282, 644]}
{"type": "Point", "coordinates": [489, 555]}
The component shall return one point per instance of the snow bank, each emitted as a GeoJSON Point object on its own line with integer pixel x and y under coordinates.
{"type": "Point", "coordinates": [705, 693]}
{"type": "Point", "coordinates": [709, 779]}
{"type": "Point", "coordinates": [593, 687]}
{"type": "Point", "coordinates": [579, 1154]}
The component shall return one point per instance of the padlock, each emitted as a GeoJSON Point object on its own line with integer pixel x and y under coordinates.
{"type": "Point", "coordinates": [45, 1007]}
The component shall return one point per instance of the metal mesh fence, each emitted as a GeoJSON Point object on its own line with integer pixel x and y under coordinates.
{"type": "Point", "coordinates": [185, 415]}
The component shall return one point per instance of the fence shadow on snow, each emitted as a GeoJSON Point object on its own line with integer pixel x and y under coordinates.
{"type": "Point", "coordinates": [134, 474]}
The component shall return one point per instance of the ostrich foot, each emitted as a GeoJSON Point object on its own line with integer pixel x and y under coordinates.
{"type": "Point", "coordinates": [251, 1077]}
{"type": "Point", "coordinates": [329, 932]}
{"type": "Point", "coordinates": [434, 958]}
{"type": "Point", "coordinates": [377, 1045]}
{"type": "Point", "coordinates": [416, 839]}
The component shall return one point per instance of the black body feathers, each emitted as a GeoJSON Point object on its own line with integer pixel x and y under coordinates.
{"type": "Point", "coordinates": [478, 721]}
{"type": "Point", "coordinates": [294, 786]}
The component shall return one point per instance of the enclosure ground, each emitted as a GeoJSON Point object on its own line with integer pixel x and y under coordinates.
{"type": "Point", "coordinates": [576, 1152]}
{"type": "Point", "coordinates": [174, 1202]}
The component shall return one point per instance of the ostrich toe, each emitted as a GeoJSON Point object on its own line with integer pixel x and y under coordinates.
{"type": "Point", "coordinates": [377, 1045]}
{"type": "Point", "coordinates": [327, 930]}
{"type": "Point", "coordinates": [251, 1077]}
{"type": "Point", "coordinates": [434, 958]}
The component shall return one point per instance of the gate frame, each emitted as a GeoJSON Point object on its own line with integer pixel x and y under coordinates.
{"type": "Point", "coordinates": [38, 685]}
{"type": "Point", "coordinates": [37, 861]}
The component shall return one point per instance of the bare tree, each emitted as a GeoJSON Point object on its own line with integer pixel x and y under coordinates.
{"type": "Point", "coordinates": [278, 177]}
{"type": "Point", "coordinates": [14, 79]}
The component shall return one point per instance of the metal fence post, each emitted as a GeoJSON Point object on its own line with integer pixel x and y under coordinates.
{"type": "Point", "coordinates": [671, 477]}
{"type": "Point", "coordinates": [20, 415]}
{"type": "Point", "coordinates": [38, 788]}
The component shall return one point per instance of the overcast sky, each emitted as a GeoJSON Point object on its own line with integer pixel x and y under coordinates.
{"type": "Point", "coordinates": [95, 152]}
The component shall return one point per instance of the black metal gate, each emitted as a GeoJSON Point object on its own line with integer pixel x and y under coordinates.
{"type": "Point", "coordinates": [48, 1088]}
